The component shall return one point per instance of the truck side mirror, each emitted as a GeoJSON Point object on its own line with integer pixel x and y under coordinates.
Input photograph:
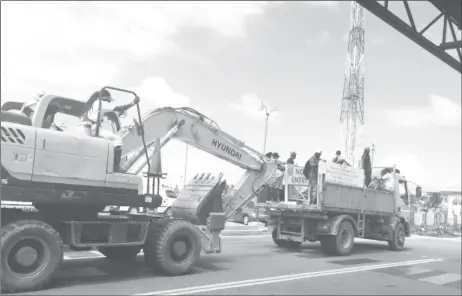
{"type": "Point", "coordinates": [418, 192]}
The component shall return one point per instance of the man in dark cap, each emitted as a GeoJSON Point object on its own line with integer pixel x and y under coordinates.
{"type": "Point", "coordinates": [366, 166]}
{"type": "Point", "coordinates": [292, 157]}
{"type": "Point", "coordinates": [275, 156]}
{"type": "Point", "coordinates": [269, 156]}
{"type": "Point", "coordinates": [310, 171]}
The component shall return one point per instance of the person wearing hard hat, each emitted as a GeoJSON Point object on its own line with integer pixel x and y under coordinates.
{"type": "Point", "coordinates": [310, 171]}
{"type": "Point", "coordinates": [292, 157]}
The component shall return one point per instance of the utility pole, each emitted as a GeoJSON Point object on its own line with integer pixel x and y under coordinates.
{"type": "Point", "coordinates": [263, 107]}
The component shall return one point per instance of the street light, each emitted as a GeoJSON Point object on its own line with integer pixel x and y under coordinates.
{"type": "Point", "coordinates": [263, 107]}
{"type": "Point", "coordinates": [372, 156]}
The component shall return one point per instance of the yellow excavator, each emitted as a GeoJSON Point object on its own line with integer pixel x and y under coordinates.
{"type": "Point", "coordinates": [70, 177]}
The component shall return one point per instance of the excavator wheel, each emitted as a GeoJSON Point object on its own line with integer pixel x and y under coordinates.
{"type": "Point", "coordinates": [172, 247]}
{"type": "Point", "coordinates": [120, 253]}
{"type": "Point", "coordinates": [31, 251]}
{"type": "Point", "coordinates": [284, 243]}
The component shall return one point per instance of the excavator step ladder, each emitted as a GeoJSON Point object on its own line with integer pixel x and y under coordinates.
{"type": "Point", "coordinates": [361, 224]}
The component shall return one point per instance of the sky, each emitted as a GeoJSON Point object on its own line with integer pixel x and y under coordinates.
{"type": "Point", "coordinates": [225, 58]}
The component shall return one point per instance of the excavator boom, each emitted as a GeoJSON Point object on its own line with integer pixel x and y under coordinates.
{"type": "Point", "coordinates": [193, 128]}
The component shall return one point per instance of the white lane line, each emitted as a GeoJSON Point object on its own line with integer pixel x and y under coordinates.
{"type": "Point", "coordinates": [284, 278]}
{"type": "Point", "coordinates": [415, 270]}
{"type": "Point", "coordinates": [442, 279]}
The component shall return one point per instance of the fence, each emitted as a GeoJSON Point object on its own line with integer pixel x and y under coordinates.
{"type": "Point", "coordinates": [435, 218]}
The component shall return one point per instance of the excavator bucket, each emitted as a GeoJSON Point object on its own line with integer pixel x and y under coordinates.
{"type": "Point", "coordinates": [201, 196]}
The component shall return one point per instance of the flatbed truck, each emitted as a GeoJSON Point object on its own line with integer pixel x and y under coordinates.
{"type": "Point", "coordinates": [344, 210]}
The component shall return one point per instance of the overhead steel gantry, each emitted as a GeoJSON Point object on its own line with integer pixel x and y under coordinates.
{"type": "Point", "coordinates": [449, 10]}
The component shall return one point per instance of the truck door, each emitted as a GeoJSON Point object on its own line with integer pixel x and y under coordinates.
{"type": "Point", "coordinates": [70, 158]}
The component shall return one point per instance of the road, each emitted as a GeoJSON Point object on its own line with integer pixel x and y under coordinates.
{"type": "Point", "coordinates": [254, 265]}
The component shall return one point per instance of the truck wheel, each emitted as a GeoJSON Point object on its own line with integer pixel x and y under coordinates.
{"type": "Point", "coordinates": [31, 251]}
{"type": "Point", "coordinates": [245, 219]}
{"type": "Point", "coordinates": [399, 238]}
{"type": "Point", "coordinates": [284, 243]}
{"type": "Point", "coordinates": [342, 243]}
{"type": "Point", "coordinates": [278, 242]}
{"type": "Point", "coordinates": [172, 247]}
{"type": "Point", "coordinates": [120, 253]}
{"type": "Point", "coordinates": [133, 210]}
{"type": "Point", "coordinates": [168, 213]}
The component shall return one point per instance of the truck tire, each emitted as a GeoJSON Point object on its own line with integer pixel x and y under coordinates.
{"type": "Point", "coordinates": [120, 253]}
{"type": "Point", "coordinates": [399, 238]}
{"type": "Point", "coordinates": [172, 247]}
{"type": "Point", "coordinates": [284, 243]}
{"type": "Point", "coordinates": [340, 244]}
{"type": "Point", "coordinates": [31, 251]}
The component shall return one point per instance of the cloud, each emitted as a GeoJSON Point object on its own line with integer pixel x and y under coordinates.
{"type": "Point", "coordinates": [440, 112]}
{"type": "Point", "coordinates": [325, 4]}
{"type": "Point", "coordinates": [322, 38]}
{"type": "Point", "coordinates": [77, 46]}
{"type": "Point", "coordinates": [250, 106]}
{"type": "Point", "coordinates": [158, 93]}
{"type": "Point", "coordinates": [155, 92]}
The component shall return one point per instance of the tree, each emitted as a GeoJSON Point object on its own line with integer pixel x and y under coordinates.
{"type": "Point", "coordinates": [433, 202]}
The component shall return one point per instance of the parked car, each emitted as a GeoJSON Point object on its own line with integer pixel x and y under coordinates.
{"type": "Point", "coordinates": [168, 197]}
{"type": "Point", "coordinates": [250, 213]}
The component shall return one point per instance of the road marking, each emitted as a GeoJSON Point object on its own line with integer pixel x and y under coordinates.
{"type": "Point", "coordinates": [414, 270]}
{"type": "Point", "coordinates": [284, 278]}
{"type": "Point", "coordinates": [442, 279]}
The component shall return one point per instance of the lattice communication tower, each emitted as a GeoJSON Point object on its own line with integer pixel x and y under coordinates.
{"type": "Point", "coordinates": [352, 114]}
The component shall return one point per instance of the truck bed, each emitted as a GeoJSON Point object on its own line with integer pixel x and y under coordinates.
{"type": "Point", "coordinates": [339, 198]}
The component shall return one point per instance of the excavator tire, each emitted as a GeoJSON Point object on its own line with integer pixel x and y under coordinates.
{"type": "Point", "coordinates": [399, 238]}
{"type": "Point", "coordinates": [284, 243]}
{"type": "Point", "coordinates": [31, 251]}
{"type": "Point", "coordinates": [340, 244]}
{"type": "Point", "coordinates": [120, 253]}
{"type": "Point", "coordinates": [172, 247]}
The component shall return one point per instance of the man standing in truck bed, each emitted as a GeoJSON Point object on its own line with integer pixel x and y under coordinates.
{"type": "Point", "coordinates": [366, 165]}
{"type": "Point", "coordinates": [310, 171]}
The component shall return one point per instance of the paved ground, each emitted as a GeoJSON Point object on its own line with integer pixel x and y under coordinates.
{"type": "Point", "coordinates": [254, 265]}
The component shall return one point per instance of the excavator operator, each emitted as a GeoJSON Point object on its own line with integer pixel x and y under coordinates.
{"type": "Point", "coordinates": [89, 120]}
